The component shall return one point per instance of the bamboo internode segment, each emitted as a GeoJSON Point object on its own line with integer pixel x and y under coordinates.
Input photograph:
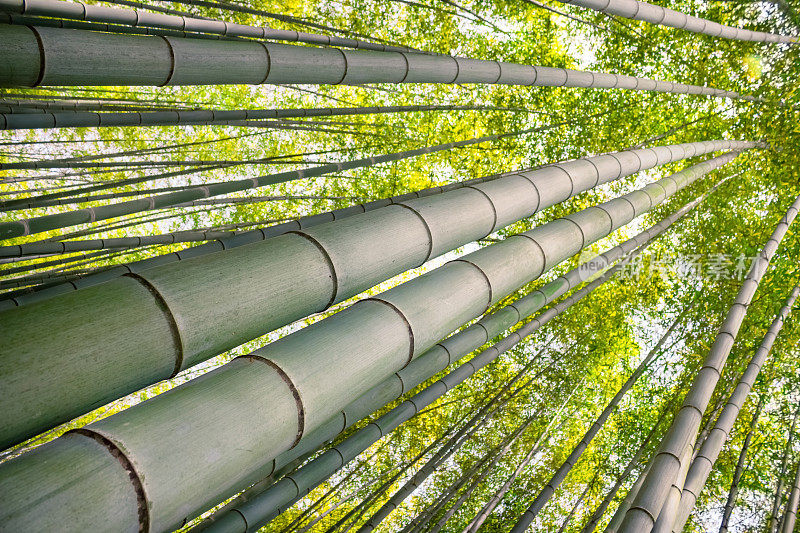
{"type": "Point", "coordinates": [440, 356]}
{"type": "Point", "coordinates": [168, 325]}
{"type": "Point", "coordinates": [266, 401]}
{"type": "Point", "coordinates": [145, 20]}
{"type": "Point", "coordinates": [711, 448]}
{"type": "Point", "coordinates": [654, 14]}
{"type": "Point", "coordinates": [666, 464]}
{"type": "Point", "coordinates": [53, 56]}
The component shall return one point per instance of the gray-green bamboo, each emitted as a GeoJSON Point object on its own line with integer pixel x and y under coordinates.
{"type": "Point", "coordinates": [711, 448]}
{"type": "Point", "coordinates": [155, 61]}
{"type": "Point", "coordinates": [654, 14]}
{"type": "Point", "coordinates": [645, 508]}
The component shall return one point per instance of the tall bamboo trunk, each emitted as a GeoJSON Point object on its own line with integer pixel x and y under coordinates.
{"type": "Point", "coordinates": [655, 14]}
{"type": "Point", "coordinates": [711, 448]}
{"type": "Point", "coordinates": [131, 60]}
{"type": "Point", "coordinates": [640, 517]}
{"type": "Point", "coordinates": [666, 517]}
{"type": "Point", "coordinates": [790, 516]}
{"type": "Point", "coordinates": [740, 464]}
{"type": "Point", "coordinates": [560, 475]}
{"type": "Point", "coordinates": [166, 324]}
{"type": "Point", "coordinates": [635, 461]}
{"type": "Point", "coordinates": [178, 117]}
{"type": "Point", "coordinates": [776, 501]}
{"type": "Point", "coordinates": [501, 491]}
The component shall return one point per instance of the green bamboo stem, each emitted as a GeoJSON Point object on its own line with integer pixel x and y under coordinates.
{"type": "Point", "coordinates": [778, 495]}
{"type": "Point", "coordinates": [426, 224]}
{"type": "Point", "coordinates": [740, 465]}
{"type": "Point", "coordinates": [711, 448]}
{"type": "Point", "coordinates": [561, 473]}
{"type": "Point", "coordinates": [497, 497]}
{"type": "Point", "coordinates": [632, 464]}
{"type": "Point", "coordinates": [205, 117]}
{"type": "Point", "coordinates": [198, 27]}
{"type": "Point", "coordinates": [683, 431]}
{"type": "Point", "coordinates": [143, 60]}
{"type": "Point", "coordinates": [655, 14]}
{"type": "Point", "coordinates": [790, 515]}
{"type": "Point", "coordinates": [363, 344]}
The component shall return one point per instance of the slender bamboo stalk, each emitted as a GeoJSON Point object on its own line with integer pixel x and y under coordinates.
{"type": "Point", "coordinates": [149, 60]}
{"type": "Point", "coordinates": [711, 448]}
{"type": "Point", "coordinates": [184, 24]}
{"type": "Point", "coordinates": [776, 501]}
{"type": "Point", "coordinates": [740, 464]}
{"type": "Point", "coordinates": [272, 282]}
{"type": "Point", "coordinates": [500, 493]}
{"type": "Point", "coordinates": [455, 443]}
{"type": "Point", "coordinates": [561, 473]}
{"type": "Point", "coordinates": [655, 14]}
{"type": "Point", "coordinates": [179, 117]}
{"type": "Point", "coordinates": [790, 516]}
{"type": "Point", "coordinates": [641, 515]}
{"type": "Point", "coordinates": [578, 503]}
{"type": "Point", "coordinates": [304, 379]}
{"type": "Point", "coordinates": [634, 461]}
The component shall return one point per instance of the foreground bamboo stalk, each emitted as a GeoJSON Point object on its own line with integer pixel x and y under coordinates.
{"type": "Point", "coordinates": [655, 14]}
{"type": "Point", "coordinates": [153, 61]}
{"type": "Point", "coordinates": [711, 448]}
{"type": "Point", "coordinates": [790, 516]}
{"type": "Point", "coordinates": [106, 350]}
{"type": "Point", "coordinates": [268, 400]}
{"type": "Point", "coordinates": [648, 502]}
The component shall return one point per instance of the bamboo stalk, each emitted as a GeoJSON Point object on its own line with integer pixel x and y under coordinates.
{"type": "Point", "coordinates": [740, 464]}
{"type": "Point", "coordinates": [655, 14]}
{"type": "Point", "coordinates": [144, 60]}
{"type": "Point", "coordinates": [684, 429]}
{"type": "Point", "coordinates": [776, 501]}
{"type": "Point", "coordinates": [179, 117]}
{"type": "Point", "coordinates": [711, 448]}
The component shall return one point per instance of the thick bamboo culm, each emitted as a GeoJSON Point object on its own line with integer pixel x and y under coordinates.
{"type": "Point", "coordinates": [179, 117]}
{"type": "Point", "coordinates": [199, 26]}
{"type": "Point", "coordinates": [54, 56]}
{"type": "Point", "coordinates": [564, 469]}
{"type": "Point", "coordinates": [441, 355]}
{"type": "Point", "coordinates": [709, 452]}
{"type": "Point", "coordinates": [654, 14]}
{"type": "Point", "coordinates": [301, 380]}
{"type": "Point", "coordinates": [166, 324]}
{"type": "Point", "coordinates": [651, 497]}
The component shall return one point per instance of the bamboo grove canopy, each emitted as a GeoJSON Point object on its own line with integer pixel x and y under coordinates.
{"type": "Point", "coordinates": [411, 266]}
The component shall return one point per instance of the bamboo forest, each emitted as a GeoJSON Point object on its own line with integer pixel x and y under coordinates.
{"type": "Point", "coordinates": [399, 266]}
